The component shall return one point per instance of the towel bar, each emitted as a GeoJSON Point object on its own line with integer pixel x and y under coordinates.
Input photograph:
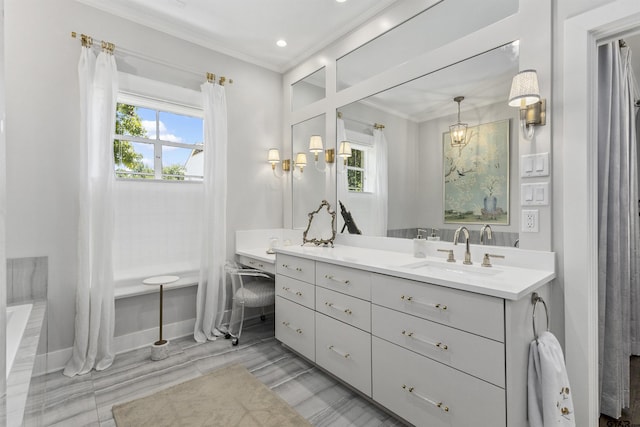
{"type": "Point", "coordinates": [535, 299]}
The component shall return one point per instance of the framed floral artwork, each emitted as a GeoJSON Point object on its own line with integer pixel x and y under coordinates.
{"type": "Point", "coordinates": [476, 176]}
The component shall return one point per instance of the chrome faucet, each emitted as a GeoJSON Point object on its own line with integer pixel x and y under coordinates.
{"type": "Point", "coordinates": [485, 228]}
{"type": "Point", "coordinates": [467, 253]}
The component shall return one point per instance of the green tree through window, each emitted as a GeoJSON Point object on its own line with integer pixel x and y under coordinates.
{"type": "Point", "coordinates": [127, 123]}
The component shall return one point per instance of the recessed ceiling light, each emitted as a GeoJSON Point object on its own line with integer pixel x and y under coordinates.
{"type": "Point", "coordinates": [281, 43]}
{"type": "Point", "coordinates": [341, 1]}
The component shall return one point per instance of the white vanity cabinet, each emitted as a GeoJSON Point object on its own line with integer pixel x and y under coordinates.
{"type": "Point", "coordinates": [295, 303]}
{"type": "Point", "coordinates": [432, 354]}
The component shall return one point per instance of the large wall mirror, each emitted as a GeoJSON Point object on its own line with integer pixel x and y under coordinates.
{"type": "Point", "coordinates": [414, 150]}
{"type": "Point", "coordinates": [424, 32]}
{"type": "Point", "coordinates": [308, 90]}
{"type": "Point", "coordinates": [312, 178]}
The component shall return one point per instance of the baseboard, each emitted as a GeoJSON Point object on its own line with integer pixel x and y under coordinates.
{"type": "Point", "coordinates": [56, 360]}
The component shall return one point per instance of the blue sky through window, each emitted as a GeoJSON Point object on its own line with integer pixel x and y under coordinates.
{"type": "Point", "coordinates": [172, 127]}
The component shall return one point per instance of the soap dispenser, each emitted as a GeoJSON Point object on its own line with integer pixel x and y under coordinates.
{"type": "Point", "coordinates": [420, 245]}
{"type": "Point", "coordinates": [433, 236]}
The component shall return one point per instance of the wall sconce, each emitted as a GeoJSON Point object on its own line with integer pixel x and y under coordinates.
{"type": "Point", "coordinates": [525, 94]}
{"type": "Point", "coordinates": [301, 161]}
{"type": "Point", "coordinates": [315, 146]}
{"type": "Point", "coordinates": [274, 158]}
{"type": "Point", "coordinates": [458, 131]}
{"type": "Point", "coordinates": [345, 151]}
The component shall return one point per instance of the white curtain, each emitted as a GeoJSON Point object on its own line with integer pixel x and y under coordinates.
{"type": "Point", "coordinates": [617, 226]}
{"type": "Point", "coordinates": [341, 135]}
{"type": "Point", "coordinates": [93, 342]}
{"type": "Point", "coordinates": [214, 237]}
{"type": "Point", "coordinates": [381, 187]}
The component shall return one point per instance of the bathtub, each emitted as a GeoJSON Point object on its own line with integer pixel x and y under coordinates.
{"type": "Point", "coordinates": [17, 317]}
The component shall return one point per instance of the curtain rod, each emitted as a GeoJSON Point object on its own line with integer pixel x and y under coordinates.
{"type": "Point", "coordinates": [88, 41]}
{"type": "Point", "coordinates": [378, 126]}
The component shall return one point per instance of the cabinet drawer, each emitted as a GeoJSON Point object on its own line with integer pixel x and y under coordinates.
{"type": "Point", "coordinates": [257, 264]}
{"type": "Point", "coordinates": [344, 351]}
{"type": "Point", "coordinates": [349, 281]}
{"type": "Point", "coordinates": [479, 314]}
{"type": "Point", "coordinates": [413, 386]}
{"type": "Point", "coordinates": [295, 327]}
{"type": "Point", "coordinates": [296, 268]}
{"type": "Point", "coordinates": [296, 290]}
{"type": "Point", "coordinates": [348, 309]}
{"type": "Point", "coordinates": [476, 355]}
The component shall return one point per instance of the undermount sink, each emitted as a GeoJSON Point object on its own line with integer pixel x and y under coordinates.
{"type": "Point", "coordinates": [426, 266]}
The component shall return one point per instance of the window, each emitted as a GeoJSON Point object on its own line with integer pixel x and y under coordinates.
{"type": "Point", "coordinates": [357, 168]}
{"type": "Point", "coordinates": [157, 140]}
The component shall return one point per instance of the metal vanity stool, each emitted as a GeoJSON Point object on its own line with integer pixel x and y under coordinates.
{"type": "Point", "coordinates": [259, 292]}
{"type": "Point", "coordinates": [160, 348]}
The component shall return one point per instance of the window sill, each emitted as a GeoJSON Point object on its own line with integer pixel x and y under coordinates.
{"type": "Point", "coordinates": [132, 288]}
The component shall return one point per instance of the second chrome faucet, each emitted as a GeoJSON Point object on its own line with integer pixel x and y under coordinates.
{"type": "Point", "coordinates": [467, 253]}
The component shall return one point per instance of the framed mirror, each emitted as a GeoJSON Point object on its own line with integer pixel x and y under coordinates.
{"type": "Point", "coordinates": [425, 32]}
{"type": "Point", "coordinates": [321, 229]}
{"type": "Point", "coordinates": [312, 178]}
{"type": "Point", "coordinates": [417, 116]}
{"type": "Point", "coordinates": [308, 90]}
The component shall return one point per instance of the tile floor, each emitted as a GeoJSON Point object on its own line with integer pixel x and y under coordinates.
{"type": "Point", "coordinates": [56, 400]}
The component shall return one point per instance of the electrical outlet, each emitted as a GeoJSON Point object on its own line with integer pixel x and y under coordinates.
{"type": "Point", "coordinates": [530, 221]}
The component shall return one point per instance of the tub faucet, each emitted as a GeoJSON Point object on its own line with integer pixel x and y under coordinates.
{"type": "Point", "coordinates": [467, 253]}
{"type": "Point", "coordinates": [485, 228]}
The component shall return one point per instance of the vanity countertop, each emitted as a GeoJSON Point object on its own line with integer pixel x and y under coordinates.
{"type": "Point", "coordinates": [257, 253]}
{"type": "Point", "coordinates": [503, 281]}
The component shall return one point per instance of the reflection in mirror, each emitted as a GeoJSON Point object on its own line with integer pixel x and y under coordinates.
{"type": "Point", "coordinates": [417, 116]}
{"type": "Point", "coordinates": [308, 90]}
{"type": "Point", "coordinates": [310, 182]}
{"type": "Point", "coordinates": [321, 229]}
{"type": "Point", "coordinates": [424, 32]}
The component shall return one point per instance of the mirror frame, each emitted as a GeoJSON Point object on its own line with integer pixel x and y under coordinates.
{"type": "Point", "coordinates": [312, 215]}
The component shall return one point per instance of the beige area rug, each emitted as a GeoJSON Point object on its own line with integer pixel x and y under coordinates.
{"type": "Point", "coordinates": [227, 397]}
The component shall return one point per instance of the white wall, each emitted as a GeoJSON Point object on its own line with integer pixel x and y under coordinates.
{"type": "Point", "coordinates": [3, 213]}
{"type": "Point", "coordinates": [42, 136]}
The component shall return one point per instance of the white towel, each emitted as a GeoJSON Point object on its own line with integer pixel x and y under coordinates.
{"type": "Point", "coordinates": [549, 394]}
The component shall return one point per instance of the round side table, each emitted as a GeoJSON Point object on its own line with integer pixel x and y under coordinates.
{"type": "Point", "coordinates": [160, 350]}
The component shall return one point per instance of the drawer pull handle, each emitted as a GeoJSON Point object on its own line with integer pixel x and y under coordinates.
{"type": "Point", "coordinates": [287, 266]}
{"type": "Point", "coordinates": [337, 307]}
{"type": "Point", "coordinates": [284, 288]}
{"type": "Point", "coordinates": [336, 279]}
{"type": "Point", "coordinates": [288, 325]}
{"type": "Point", "coordinates": [413, 300]}
{"type": "Point", "coordinates": [256, 263]}
{"type": "Point", "coordinates": [426, 399]}
{"type": "Point", "coordinates": [438, 345]}
{"type": "Point", "coordinates": [345, 355]}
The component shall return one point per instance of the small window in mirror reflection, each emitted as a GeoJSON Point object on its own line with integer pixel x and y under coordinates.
{"type": "Point", "coordinates": [358, 169]}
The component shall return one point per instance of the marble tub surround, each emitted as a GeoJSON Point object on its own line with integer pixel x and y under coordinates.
{"type": "Point", "coordinates": [19, 379]}
{"type": "Point", "coordinates": [87, 399]}
{"type": "Point", "coordinates": [27, 279]}
{"type": "Point", "coordinates": [518, 274]}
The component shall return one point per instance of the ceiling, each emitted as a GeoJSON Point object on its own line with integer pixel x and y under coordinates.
{"type": "Point", "coordinates": [249, 29]}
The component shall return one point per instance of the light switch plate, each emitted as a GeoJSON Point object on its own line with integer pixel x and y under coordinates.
{"type": "Point", "coordinates": [534, 194]}
{"type": "Point", "coordinates": [532, 165]}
